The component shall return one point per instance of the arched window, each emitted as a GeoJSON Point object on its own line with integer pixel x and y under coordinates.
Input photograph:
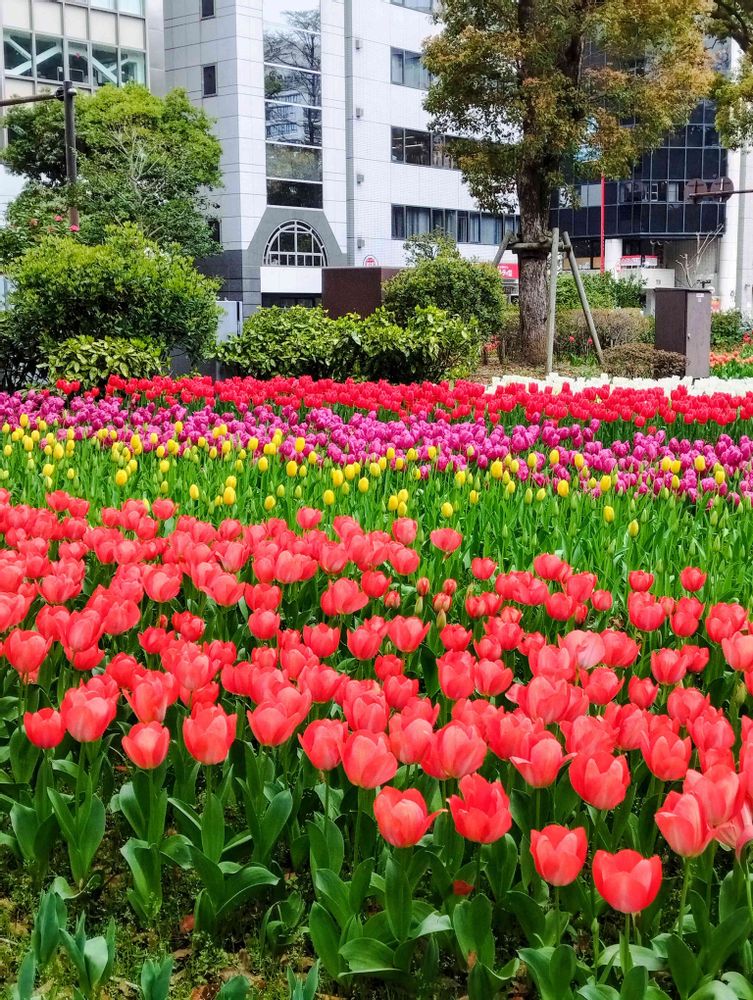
{"type": "Point", "coordinates": [295, 244]}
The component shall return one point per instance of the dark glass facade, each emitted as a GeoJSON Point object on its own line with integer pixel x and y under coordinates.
{"type": "Point", "coordinates": [649, 204]}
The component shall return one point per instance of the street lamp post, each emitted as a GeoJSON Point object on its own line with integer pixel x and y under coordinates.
{"type": "Point", "coordinates": [66, 94]}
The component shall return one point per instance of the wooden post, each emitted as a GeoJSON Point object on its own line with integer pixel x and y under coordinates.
{"type": "Point", "coordinates": [501, 248]}
{"type": "Point", "coordinates": [582, 296]}
{"type": "Point", "coordinates": [552, 318]}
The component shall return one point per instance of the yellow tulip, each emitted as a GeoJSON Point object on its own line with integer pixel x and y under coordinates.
{"type": "Point", "coordinates": [121, 477]}
{"type": "Point", "coordinates": [496, 469]}
{"type": "Point", "coordinates": [328, 497]}
{"type": "Point", "coordinates": [563, 488]}
{"type": "Point", "coordinates": [228, 496]}
{"type": "Point", "coordinates": [363, 485]}
{"type": "Point", "coordinates": [193, 491]}
{"type": "Point", "coordinates": [269, 503]}
{"type": "Point", "coordinates": [633, 528]}
{"type": "Point", "coordinates": [609, 514]}
{"type": "Point", "coordinates": [446, 509]}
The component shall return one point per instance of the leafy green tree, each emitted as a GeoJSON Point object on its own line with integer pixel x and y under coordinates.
{"type": "Point", "coordinates": [550, 88]}
{"type": "Point", "coordinates": [733, 92]}
{"type": "Point", "coordinates": [126, 287]}
{"type": "Point", "coordinates": [471, 291]}
{"type": "Point", "coordinates": [142, 158]}
{"type": "Point", "coordinates": [427, 246]}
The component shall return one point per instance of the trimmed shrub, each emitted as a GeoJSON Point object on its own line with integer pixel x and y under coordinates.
{"type": "Point", "coordinates": [603, 291]}
{"type": "Point", "coordinates": [460, 287]}
{"type": "Point", "coordinates": [19, 358]}
{"type": "Point", "coordinates": [613, 326]}
{"type": "Point", "coordinates": [727, 328]}
{"type": "Point", "coordinates": [643, 361]}
{"type": "Point", "coordinates": [91, 360]}
{"type": "Point", "coordinates": [300, 341]}
{"type": "Point", "coordinates": [126, 287]}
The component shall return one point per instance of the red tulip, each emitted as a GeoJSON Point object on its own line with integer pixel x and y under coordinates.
{"type": "Point", "coordinates": [619, 649]}
{"type": "Point", "coordinates": [407, 634]}
{"type": "Point", "coordinates": [446, 539]}
{"type": "Point", "coordinates": [151, 696]}
{"type": "Point", "coordinates": [719, 791]}
{"type": "Point", "coordinates": [692, 579]}
{"type": "Point", "coordinates": [454, 751]}
{"type": "Point", "coordinates": [601, 779]}
{"type": "Point", "coordinates": [539, 759]}
{"type": "Point", "coordinates": [322, 742]}
{"type": "Point", "coordinates": [273, 722]}
{"type": "Point", "coordinates": [456, 674]}
{"type": "Point", "coordinates": [162, 583]}
{"type": "Point", "coordinates": [642, 691]}
{"type": "Point", "coordinates": [308, 517]}
{"type": "Point", "coordinates": [404, 530]}
{"type": "Point", "coordinates": [738, 651]}
{"type": "Point", "coordinates": [558, 853]}
{"type": "Point", "coordinates": [724, 620]}
{"type": "Point", "coordinates": [367, 759]}
{"type": "Point", "coordinates": [343, 597]}
{"type": "Point", "coordinates": [25, 650]}
{"type": "Point", "coordinates": [209, 733]}
{"type": "Point", "coordinates": [667, 666]}
{"type": "Point", "coordinates": [364, 643]}
{"type": "Point", "coordinates": [482, 568]}
{"type": "Point", "coordinates": [87, 713]}
{"type": "Point", "coordinates": [683, 825]}
{"type": "Point", "coordinates": [402, 817]}
{"type": "Point", "coordinates": [44, 728]}
{"type": "Point", "coordinates": [626, 880]}
{"type": "Point", "coordinates": [644, 611]}
{"type": "Point", "coordinates": [666, 754]}
{"type": "Point", "coordinates": [640, 581]}
{"type": "Point", "coordinates": [409, 738]}
{"type": "Point", "coordinates": [482, 815]}
{"type": "Point", "coordinates": [601, 600]}
{"type": "Point", "coordinates": [147, 744]}
{"type": "Point", "coordinates": [491, 677]}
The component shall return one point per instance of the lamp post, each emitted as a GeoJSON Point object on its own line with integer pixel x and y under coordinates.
{"type": "Point", "coordinates": [66, 94]}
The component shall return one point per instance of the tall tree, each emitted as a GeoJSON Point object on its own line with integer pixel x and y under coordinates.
{"type": "Point", "coordinates": [733, 90]}
{"type": "Point", "coordinates": [142, 159]}
{"type": "Point", "coordinates": [551, 89]}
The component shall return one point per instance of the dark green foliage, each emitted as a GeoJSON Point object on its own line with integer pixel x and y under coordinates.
{"type": "Point", "coordinates": [613, 327]}
{"type": "Point", "coordinates": [91, 360]}
{"type": "Point", "coordinates": [142, 158]}
{"type": "Point", "coordinates": [603, 291]}
{"type": "Point", "coordinates": [127, 287]}
{"type": "Point", "coordinates": [460, 287]}
{"type": "Point", "coordinates": [19, 358]}
{"type": "Point", "coordinates": [300, 341]}
{"type": "Point", "coordinates": [643, 361]}
{"type": "Point", "coordinates": [727, 328]}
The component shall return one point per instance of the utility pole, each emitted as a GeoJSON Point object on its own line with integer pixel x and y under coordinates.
{"type": "Point", "coordinates": [66, 94]}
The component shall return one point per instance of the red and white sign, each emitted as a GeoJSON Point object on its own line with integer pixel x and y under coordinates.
{"type": "Point", "coordinates": [508, 271]}
{"type": "Point", "coordinates": [370, 261]}
{"type": "Point", "coordinates": [638, 260]}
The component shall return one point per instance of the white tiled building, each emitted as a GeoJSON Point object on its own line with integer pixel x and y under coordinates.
{"type": "Point", "coordinates": [326, 153]}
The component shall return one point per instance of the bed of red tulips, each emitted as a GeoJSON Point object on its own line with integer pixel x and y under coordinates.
{"type": "Point", "coordinates": [436, 772]}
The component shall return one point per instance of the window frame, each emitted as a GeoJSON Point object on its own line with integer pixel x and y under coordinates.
{"type": "Point", "coordinates": [209, 68]}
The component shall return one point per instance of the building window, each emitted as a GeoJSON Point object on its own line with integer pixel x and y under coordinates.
{"type": "Point", "coordinates": [293, 103]}
{"type": "Point", "coordinates": [78, 62]}
{"type": "Point", "coordinates": [420, 149]}
{"type": "Point", "coordinates": [17, 50]}
{"type": "Point", "coordinates": [207, 8]}
{"type": "Point", "coordinates": [209, 81]}
{"type": "Point", "coordinates": [132, 66]}
{"type": "Point", "coordinates": [215, 229]}
{"type": "Point", "coordinates": [427, 6]}
{"type": "Point", "coordinates": [295, 244]}
{"type": "Point", "coordinates": [104, 65]}
{"type": "Point", "coordinates": [466, 227]}
{"type": "Point", "coordinates": [407, 70]}
{"type": "Point", "coordinates": [49, 57]}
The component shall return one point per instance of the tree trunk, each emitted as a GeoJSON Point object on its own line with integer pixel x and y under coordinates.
{"type": "Point", "coordinates": [533, 198]}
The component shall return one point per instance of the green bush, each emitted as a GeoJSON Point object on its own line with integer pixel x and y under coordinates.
{"type": "Point", "coordinates": [300, 341]}
{"type": "Point", "coordinates": [19, 358]}
{"type": "Point", "coordinates": [613, 327]}
{"type": "Point", "coordinates": [460, 287]}
{"type": "Point", "coordinates": [603, 291]}
{"type": "Point", "coordinates": [91, 360]}
{"type": "Point", "coordinates": [126, 287]}
{"type": "Point", "coordinates": [727, 328]}
{"type": "Point", "coordinates": [508, 338]}
{"type": "Point", "coordinates": [642, 361]}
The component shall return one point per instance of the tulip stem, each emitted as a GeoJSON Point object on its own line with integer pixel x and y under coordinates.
{"type": "Point", "coordinates": [748, 894]}
{"type": "Point", "coordinates": [683, 894]}
{"type": "Point", "coordinates": [325, 776]}
{"type": "Point", "coordinates": [478, 869]}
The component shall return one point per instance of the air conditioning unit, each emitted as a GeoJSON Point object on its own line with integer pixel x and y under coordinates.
{"type": "Point", "coordinates": [359, 112]}
{"type": "Point", "coordinates": [360, 242]}
{"type": "Point", "coordinates": [357, 43]}
{"type": "Point", "coordinates": [360, 178]}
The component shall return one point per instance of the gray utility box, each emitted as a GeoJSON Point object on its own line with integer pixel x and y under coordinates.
{"type": "Point", "coordinates": [683, 325]}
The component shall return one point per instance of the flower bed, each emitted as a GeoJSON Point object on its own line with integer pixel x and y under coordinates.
{"type": "Point", "coordinates": [343, 705]}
